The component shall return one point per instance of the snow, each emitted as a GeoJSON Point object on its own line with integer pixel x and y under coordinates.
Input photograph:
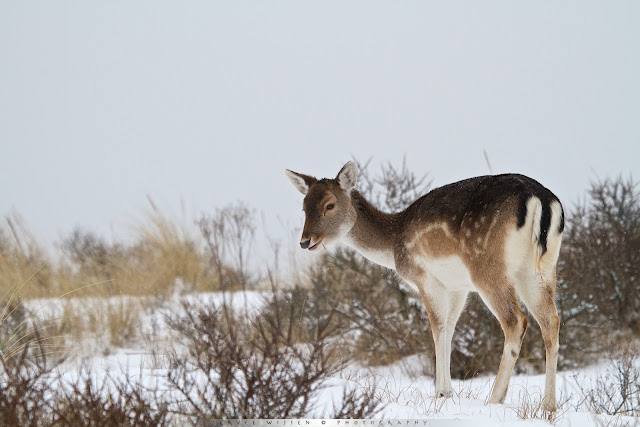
{"type": "Point", "coordinates": [401, 387]}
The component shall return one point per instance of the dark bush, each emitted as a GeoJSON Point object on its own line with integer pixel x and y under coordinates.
{"type": "Point", "coordinates": [254, 366]}
{"type": "Point", "coordinates": [23, 388]}
{"type": "Point", "coordinates": [383, 321]}
{"type": "Point", "coordinates": [599, 272]}
{"type": "Point", "coordinates": [228, 234]}
{"type": "Point", "coordinates": [112, 402]}
{"type": "Point", "coordinates": [31, 394]}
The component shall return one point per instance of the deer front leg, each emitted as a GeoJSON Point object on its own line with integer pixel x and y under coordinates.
{"type": "Point", "coordinates": [457, 301]}
{"type": "Point", "coordinates": [439, 319]}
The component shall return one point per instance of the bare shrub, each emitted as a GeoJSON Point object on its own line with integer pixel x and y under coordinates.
{"type": "Point", "coordinates": [23, 387]}
{"type": "Point", "coordinates": [394, 188]}
{"type": "Point", "coordinates": [91, 401]}
{"type": "Point", "coordinates": [93, 258]}
{"type": "Point", "coordinates": [358, 403]}
{"type": "Point", "coordinates": [477, 341]}
{"type": "Point", "coordinates": [241, 366]}
{"type": "Point", "coordinates": [384, 321]}
{"type": "Point", "coordinates": [32, 395]}
{"type": "Point", "coordinates": [617, 391]}
{"type": "Point", "coordinates": [599, 272]}
{"type": "Point", "coordinates": [229, 234]}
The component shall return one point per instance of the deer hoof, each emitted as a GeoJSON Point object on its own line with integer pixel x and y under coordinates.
{"type": "Point", "coordinates": [443, 393]}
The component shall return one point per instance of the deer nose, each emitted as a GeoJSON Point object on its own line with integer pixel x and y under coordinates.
{"type": "Point", "coordinates": [305, 243]}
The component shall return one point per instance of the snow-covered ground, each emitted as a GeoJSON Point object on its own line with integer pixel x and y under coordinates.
{"type": "Point", "coordinates": [405, 392]}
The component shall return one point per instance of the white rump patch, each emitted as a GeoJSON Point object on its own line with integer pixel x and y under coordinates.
{"type": "Point", "coordinates": [554, 238]}
{"type": "Point", "coordinates": [520, 248]}
{"type": "Point", "coordinates": [556, 214]}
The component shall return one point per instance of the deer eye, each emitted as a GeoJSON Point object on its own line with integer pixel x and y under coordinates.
{"type": "Point", "coordinates": [330, 206]}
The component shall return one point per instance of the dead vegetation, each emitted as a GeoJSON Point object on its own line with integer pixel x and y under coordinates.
{"type": "Point", "coordinates": [616, 391]}
{"type": "Point", "coordinates": [254, 366]}
{"type": "Point", "coordinates": [236, 366]}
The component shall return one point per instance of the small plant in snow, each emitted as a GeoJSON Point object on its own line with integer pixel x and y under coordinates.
{"type": "Point", "coordinates": [617, 390]}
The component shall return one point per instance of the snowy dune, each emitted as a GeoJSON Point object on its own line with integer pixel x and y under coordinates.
{"type": "Point", "coordinates": [401, 387]}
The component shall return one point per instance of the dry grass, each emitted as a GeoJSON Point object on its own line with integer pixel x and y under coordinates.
{"type": "Point", "coordinates": [112, 322]}
{"type": "Point", "coordinates": [162, 255]}
{"type": "Point", "coordinates": [18, 330]}
{"type": "Point", "coordinates": [530, 407]}
{"type": "Point", "coordinates": [25, 269]}
{"type": "Point", "coordinates": [165, 253]}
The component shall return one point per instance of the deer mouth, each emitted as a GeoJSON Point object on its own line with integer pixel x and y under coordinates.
{"type": "Point", "coordinates": [314, 247]}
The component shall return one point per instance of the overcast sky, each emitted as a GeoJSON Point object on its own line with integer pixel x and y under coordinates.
{"type": "Point", "coordinates": [202, 103]}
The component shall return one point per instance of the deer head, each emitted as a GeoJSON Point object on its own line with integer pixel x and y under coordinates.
{"type": "Point", "coordinates": [329, 214]}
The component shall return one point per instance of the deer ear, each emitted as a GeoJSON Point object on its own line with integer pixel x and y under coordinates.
{"type": "Point", "coordinates": [348, 176]}
{"type": "Point", "coordinates": [300, 181]}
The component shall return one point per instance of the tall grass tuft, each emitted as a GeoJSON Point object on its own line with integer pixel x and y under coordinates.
{"type": "Point", "coordinates": [25, 268]}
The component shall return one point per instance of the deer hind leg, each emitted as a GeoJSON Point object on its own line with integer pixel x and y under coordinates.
{"type": "Point", "coordinates": [457, 300]}
{"type": "Point", "coordinates": [443, 308]}
{"type": "Point", "coordinates": [502, 301]}
{"type": "Point", "coordinates": [538, 297]}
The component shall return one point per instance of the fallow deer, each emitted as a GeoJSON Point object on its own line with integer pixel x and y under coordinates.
{"type": "Point", "coordinates": [498, 235]}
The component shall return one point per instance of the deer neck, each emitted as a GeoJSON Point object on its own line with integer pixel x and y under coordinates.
{"type": "Point", "coordinates": [374, 232]}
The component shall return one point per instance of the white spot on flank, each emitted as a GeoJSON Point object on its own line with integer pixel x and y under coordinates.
{"type": "Point", "coordinates": [416, 237]}
{"type": "Point", "coordinates": [489, 231]}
